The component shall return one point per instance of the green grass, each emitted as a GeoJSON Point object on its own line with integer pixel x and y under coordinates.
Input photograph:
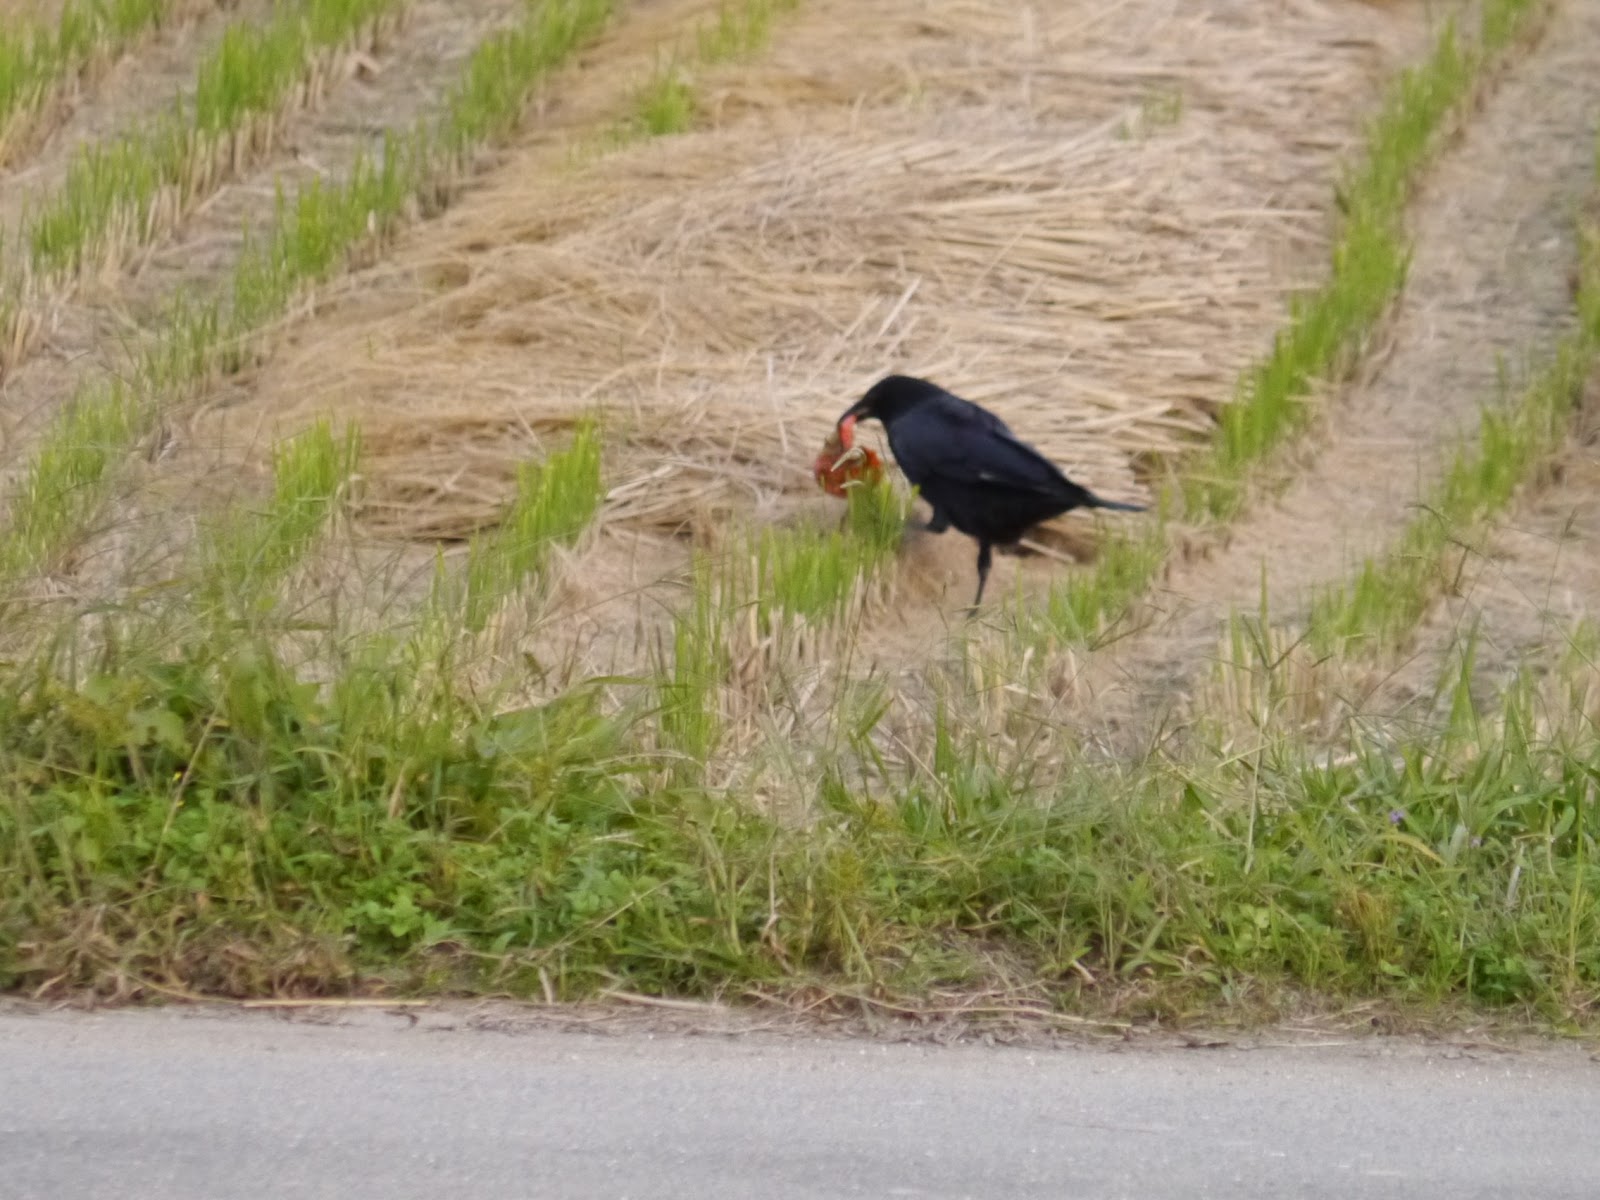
{"type": "Point", "coordinates": [740, 30]}
{"type": "Point", "coordinates": [119, 194]}
{"type": "Point", "coordinates": [37, 60]}
{"type": "Point", "coordinates": [312, 236]}
{"type": "Point", "coordinates": [666, 104]}
{"type": "Point", "coordinates": [253, 69]}
{"type": "Point", "coordinates": [1124, 566]}
{"type": "Point", "coordinates": [1391, 593]}
{"type": "Point", "coordinates": [235, 712]}
{"type": "Point", "coordinates": [489, 101]}
{"type": "Point", "coordinates": [769, 586]}
{"type": "Point", "coordinates": [1324, 332]}
{"type": "Point", "coordinates": [693, 671]}
{"type": "Point", "coordinates": [1327, 328]}
{"type": "Point", "coordinates": [554, 503]}
{"type": "Point", "coordinates": [813, 573]}
{"type": "Point", "coordinates": [246, 552]}
{"type": "Point", "coordinates": [60, 489]}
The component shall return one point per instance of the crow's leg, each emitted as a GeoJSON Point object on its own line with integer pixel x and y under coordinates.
{"type": "Point", "coordinates": [985, 557]}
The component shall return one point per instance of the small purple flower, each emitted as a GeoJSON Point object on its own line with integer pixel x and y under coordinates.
{"type": "Point", "coordinates": [1396, 815]}
{"type": "Point", "coordinates": [1476, 842]}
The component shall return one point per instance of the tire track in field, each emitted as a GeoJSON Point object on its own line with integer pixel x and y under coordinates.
{"type": "Point", "coordinates": [1493, 246]}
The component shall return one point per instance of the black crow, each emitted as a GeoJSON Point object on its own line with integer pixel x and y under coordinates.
{"type": "Point", "coordinates": [977, 474]}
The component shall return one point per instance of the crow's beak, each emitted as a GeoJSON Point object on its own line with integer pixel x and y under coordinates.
{"type": "Point", "coordinates": [856, 412]}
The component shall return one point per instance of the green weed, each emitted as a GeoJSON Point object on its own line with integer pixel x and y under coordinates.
{"type": "Point", "coordinates": [489, 100]}
{"type": "Point", "coordinates": [555, 502]}
{"type": "Point", "coordinates": [161, 815]}
{"type": "Point", "coordinates": [771, 583]}
{"type": "Point", "coordinates": [313, 233]}
{"type": "Point", "coordinates": [666, 104]}
{"type": "Point", "coordinates": [246, 552]}
{"type": "Point", "coordinates": [1080, 603]}
{"type": "Point", "coordinates": [694, 669]}
{"type": "Point", "coordinates": [60, 490]}
{"type": "Point", "coordinates": [36, 60]}
{"type": "Point", "coordinates": [813, 573]}
{"type": "Point", "coordinates": [254, 68]}
{"type": "Point", "coordinates": [739, 30]}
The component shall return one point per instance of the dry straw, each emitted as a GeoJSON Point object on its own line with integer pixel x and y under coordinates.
{"type": "Point", "coordinates": [1087, 219]}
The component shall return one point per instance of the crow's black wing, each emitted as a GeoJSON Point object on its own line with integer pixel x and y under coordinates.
{"type": "Point", "coordinates": [953, 441]}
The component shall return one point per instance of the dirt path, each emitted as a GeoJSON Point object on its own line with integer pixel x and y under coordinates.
{"type": "Point", "coordinates": [1494, 247]}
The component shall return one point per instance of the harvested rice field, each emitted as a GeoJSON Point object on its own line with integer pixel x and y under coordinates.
{"type": "Point", "coordinates": [413, 579]}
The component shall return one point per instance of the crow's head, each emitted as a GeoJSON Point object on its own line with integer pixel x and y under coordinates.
{"type": "Point", "coordinates": [891, 397]}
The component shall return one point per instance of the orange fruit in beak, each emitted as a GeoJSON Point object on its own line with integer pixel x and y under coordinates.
{"type": "Point", "coordinates": [843, 464]}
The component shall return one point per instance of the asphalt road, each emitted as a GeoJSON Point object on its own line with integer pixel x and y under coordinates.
{"type": "Point", "coordinates": [175, 1105]}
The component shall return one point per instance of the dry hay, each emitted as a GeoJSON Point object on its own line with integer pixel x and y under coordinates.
{"type": "Point", "coordinates": [1085, 215]}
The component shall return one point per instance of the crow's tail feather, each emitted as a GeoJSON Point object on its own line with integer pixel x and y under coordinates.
{"type": "Point", "coordinates": [1114, 505]}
